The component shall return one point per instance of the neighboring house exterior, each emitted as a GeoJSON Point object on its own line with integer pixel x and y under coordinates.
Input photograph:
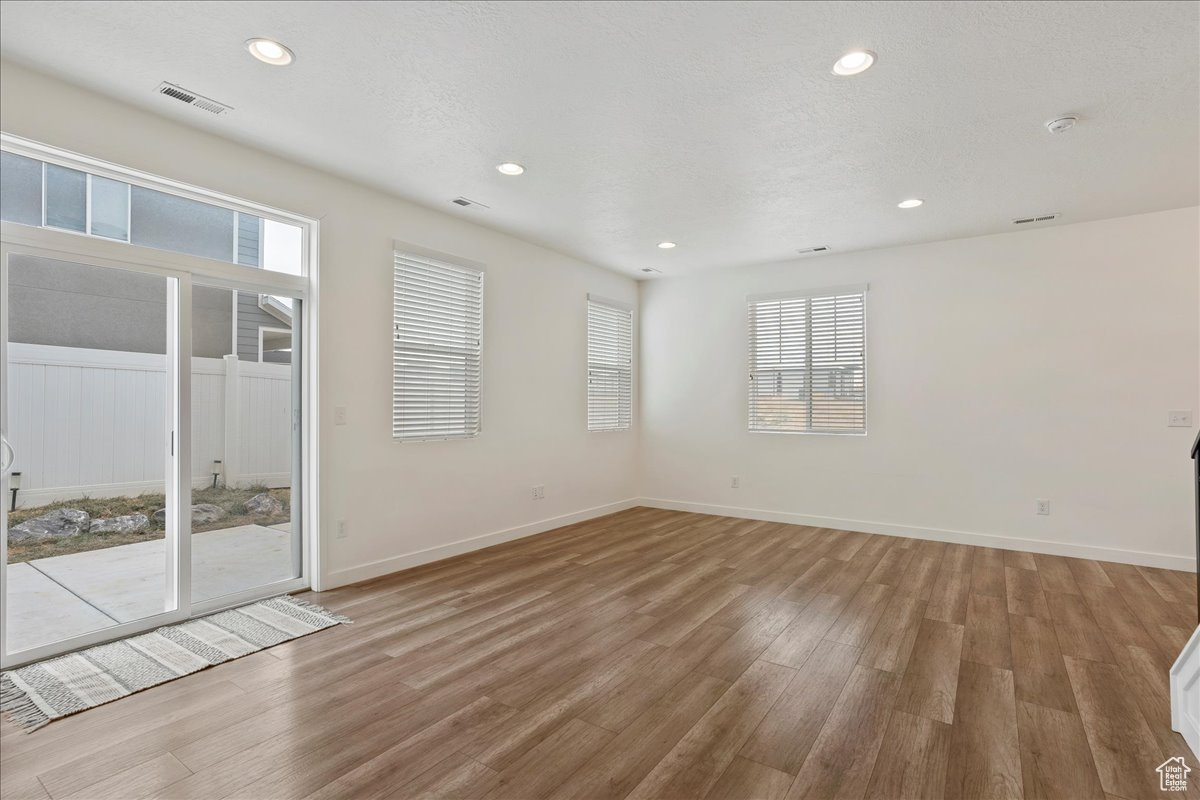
{"type": "Point", "coordinates": [72, 305]}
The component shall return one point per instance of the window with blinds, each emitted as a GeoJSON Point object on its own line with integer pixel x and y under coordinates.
{"type": "Point", "coordinates": [609, 366]}
{"type": "Point", "coordinates": [437, 311]}
{"type": "Point", "coordinates": [807, 362]}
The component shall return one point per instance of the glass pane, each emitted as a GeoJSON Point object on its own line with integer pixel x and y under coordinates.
{"type": "Point", "coordinates": [66, 198]}
{"type": "Point", "coordinates": [282, 248]}
{"type": "Point", "coordinates": [249, 251]}
{"type": "Point", "coordinates": [245, 534]}
{"type": "Point", "coordinates": [110, 208]}
{"type": "Point", "coordinates": [87, 410]}
{"type": "Point", "coordinates": [175, 223]}
{"type": "Point", "coordinates": [20, 189]}
{"type": "Point", "coordinates": [145, 216]}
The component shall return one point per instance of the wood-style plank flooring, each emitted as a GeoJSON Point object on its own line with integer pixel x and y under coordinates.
{"type": "Point", "coordinates": [659, 654]}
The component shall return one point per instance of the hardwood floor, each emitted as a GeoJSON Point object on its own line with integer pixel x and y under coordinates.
{"type": "Point", "coordinates": [659, 654]}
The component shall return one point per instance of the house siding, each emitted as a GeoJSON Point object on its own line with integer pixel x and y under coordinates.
{"type": "Point", "coordinates": [251, 318]}
{"type": "Point", "coordinates": [65, 304]}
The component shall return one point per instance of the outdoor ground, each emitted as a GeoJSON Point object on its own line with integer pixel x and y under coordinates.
{"type": "Point", "coordinates": [232, 500]}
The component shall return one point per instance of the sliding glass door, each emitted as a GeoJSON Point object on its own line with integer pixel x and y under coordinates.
{"type": "Point", "coordinates": [152, 408]}
{"type": "Point", "coordinates": [91, 361]}
{"type": "Point", "coordinates": [245, 448]}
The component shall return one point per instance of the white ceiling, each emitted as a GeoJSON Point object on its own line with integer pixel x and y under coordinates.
{"type": "Point", "coordinates": [715, 125]}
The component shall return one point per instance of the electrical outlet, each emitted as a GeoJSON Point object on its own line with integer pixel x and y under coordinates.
{"type": "Point", "coordinates": [539, 492]}
{"type": "Point", "coordinates": [1179, 419]}
{"type": "Point", "coordinates": [1043, 507]}
{"type": "Point", "coordinates": [342, 531]}
{"type": "Point", "coordinates": [735, 482]}
{"type": "Point", "coordinates": [339, 415]}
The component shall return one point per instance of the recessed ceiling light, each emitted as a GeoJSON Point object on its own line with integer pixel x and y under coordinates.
{"type": "Point", "coordinates": [270, 52]}
{"type": "Point", "coordinates": [510, 168]}
{"type": "Point", "coordinates": [912, 202]}
{"type": "Point", "coordinates": [665, 245]}
{"type": "Point", "coordinates": [854, 62]}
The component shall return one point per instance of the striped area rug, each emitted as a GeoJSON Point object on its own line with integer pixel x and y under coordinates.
{"type": "Point", "coordinates": [36, 694]}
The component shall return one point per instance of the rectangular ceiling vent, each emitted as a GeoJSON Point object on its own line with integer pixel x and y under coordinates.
{"type": "Point", "coordinates": [192, 99]}
{"type": "Point", "coordinates": [818, 249]}
{"type": "Point", "coordinates": [1039, 218]}
{"type": "Point", "coordinates": [464, 202]}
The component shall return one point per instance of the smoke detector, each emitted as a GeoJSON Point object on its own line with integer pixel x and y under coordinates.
{"type": "Point", "coordinates": [1062, 124]}
{"type": "Point", "coordinates": [818, 249]}
{"type": "Point", "coordinates": [194, 99]}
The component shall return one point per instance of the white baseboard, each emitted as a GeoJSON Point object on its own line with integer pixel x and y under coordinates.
{"type": "Point", "coordinates": [1162, 560]}
{"type": "Point", "coordinates": [386, 566]}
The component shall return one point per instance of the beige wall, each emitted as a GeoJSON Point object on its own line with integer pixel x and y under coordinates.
{"type": "Point", "coordinates": [1001, 369]}
{"type": "Point", "coordinates": [403, 503]}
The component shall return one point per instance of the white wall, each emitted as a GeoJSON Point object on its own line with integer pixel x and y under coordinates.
{"type": "Point", "coordinates": [1001, 369]}
{"type": "Point", "coordinates": [398, 499]}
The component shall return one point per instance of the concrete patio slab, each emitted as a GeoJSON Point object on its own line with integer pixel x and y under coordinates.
{"type": "Point", "coordinates": [41, 611]}
{"type": "Point", "coordinates": [54, 598]}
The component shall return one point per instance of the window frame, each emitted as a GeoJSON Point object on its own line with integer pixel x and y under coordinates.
{"type": "Point", "coordinates": [615, 305]}
{"type": "Point", "coordinates": [417, 253]}
{"type": "Point", "coordinates": [309, 229]}
{"type": "Point", "coordinates": [804, 294]}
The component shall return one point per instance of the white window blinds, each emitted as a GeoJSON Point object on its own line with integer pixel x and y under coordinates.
{"type": "Point", "coordinates": [609, 366]}
{"type": "Point", "coordinates": [807, 365]}
{"type": "Point", "coordinates": [437, 311]}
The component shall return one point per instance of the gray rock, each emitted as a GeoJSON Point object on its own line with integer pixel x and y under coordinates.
{"type": "Point", "coordinates": [201, 512]}
{"type": "Point", "coordinates": [130, 523]}
{"type": "Point", "coordinates": [55, 525]}
{"type": "Point", "coordinates": [264, 504]}
{"type": "Point", "coordinates": [206, 512]}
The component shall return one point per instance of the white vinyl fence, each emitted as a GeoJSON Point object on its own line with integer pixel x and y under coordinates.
{"type": "Point", "coordinates": [92, 422]}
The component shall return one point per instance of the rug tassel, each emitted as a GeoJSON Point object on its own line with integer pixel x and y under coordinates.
{"type": "Point", "coordinates": [19, 707]}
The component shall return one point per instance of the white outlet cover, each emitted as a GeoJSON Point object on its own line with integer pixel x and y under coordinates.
{"type": "Point", "coordinates": [1179, 419]}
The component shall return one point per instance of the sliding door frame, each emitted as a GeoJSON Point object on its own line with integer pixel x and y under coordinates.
{"type": "Point", "coordinates": [16, 239]}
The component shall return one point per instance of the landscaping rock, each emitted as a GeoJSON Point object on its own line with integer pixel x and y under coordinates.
{"type": "Point", "coordinates": [55, 525]}
{"type": "Point", "coordinates": [264, 504]}
{"type": "Point", "coordinates": [130, 523]}
{"type": "Point", "coordinates": [206, 512]}
{"type": "Point", "coordinates": [201, 512]}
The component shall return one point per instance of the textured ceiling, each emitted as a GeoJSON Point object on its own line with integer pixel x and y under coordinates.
{"type": "Point", "coordinates": [715, 125]}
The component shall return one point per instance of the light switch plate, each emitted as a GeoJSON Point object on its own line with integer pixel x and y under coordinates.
{"type": "Point", "coordinates": [1179, 419]}
{"type": "Point", "coordinates": [339, 415]}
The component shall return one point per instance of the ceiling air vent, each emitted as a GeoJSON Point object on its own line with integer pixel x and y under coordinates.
{"type": "Point", "coordinates": [818, 249]}
{"type": "Point", "coordinates": [463, 201]}
{"type": "Point", "coordinates": [192, 99]}
{"type": "Point", "coordinates": [1039, 218]}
